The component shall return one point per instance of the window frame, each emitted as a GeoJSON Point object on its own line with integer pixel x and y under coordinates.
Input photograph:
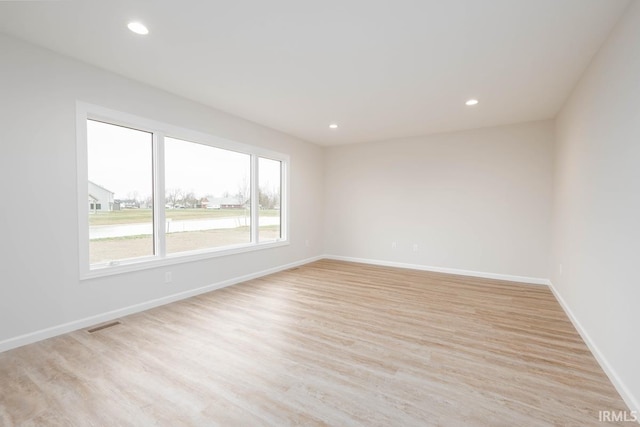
{"type": "Point", "coordinates": [160, 130]}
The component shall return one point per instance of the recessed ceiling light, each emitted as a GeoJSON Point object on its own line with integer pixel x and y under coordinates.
{"type": "Point", "coordinates": [333, 126]}
{"type": "Point", "coordinates": [471, 102]}
{"type": "Point", "coordinates": [138, 28]}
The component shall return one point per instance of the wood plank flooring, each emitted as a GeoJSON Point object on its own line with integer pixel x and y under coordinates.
{"type": "Point", "coordinates": [329, 343]}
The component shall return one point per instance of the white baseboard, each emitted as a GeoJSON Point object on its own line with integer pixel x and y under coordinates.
{"type": "Point", "coordinates": [615, 379]}
{"type": "Point", "coordinates": [484, 275]}
{"type": "Point", "coordinates": [64, 328]}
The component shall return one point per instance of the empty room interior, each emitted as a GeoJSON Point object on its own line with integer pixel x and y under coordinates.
{"type": "Point", "coordinates": [348, 212]}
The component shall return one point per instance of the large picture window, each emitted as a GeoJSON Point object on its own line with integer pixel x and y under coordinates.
{"type": "Point", "coordinates": [207, 196]}
{"type": "Point", "coordinates": [120, 193]}
{"type": "Point", "coordinates": [152, 194]}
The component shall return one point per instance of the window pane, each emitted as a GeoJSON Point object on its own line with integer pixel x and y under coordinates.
{"type": "Point", "coordinates": [270, 185]}
{"type": "Point", "coordinates": [207, 196]}
{"type": "Point", "coordinates": [120, 192]}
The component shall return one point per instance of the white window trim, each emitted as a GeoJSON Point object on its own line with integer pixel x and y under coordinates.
{"type": "Point", "coordinates": [86, 111]}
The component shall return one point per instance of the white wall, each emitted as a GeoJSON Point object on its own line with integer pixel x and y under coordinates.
{"type": "Point", "coordinates": [39, 286]}
{"type": "Point", "coordinates": [596, 229]}
{"type": "Point", "coordinates": [477, 200]}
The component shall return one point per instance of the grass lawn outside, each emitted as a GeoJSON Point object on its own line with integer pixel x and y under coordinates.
{"type": "Point", "coordinates": [105, 250]}
{"type": "Point", "coordinates": [135, 216]}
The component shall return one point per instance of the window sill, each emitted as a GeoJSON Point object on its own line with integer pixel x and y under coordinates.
{"type": "Point", "coordinates": [180, 258]}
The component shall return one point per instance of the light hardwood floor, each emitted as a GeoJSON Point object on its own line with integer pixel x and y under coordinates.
{"type": "Point", "coordinates": [329, 343]}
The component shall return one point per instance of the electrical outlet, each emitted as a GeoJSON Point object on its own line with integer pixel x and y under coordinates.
{"type": "Point", "coordinates": [394, 245]}
{"type": "Point", "coordinates": [306, 243]}
{"type": "Point", "coordinates": [168, 277]}
{"type": "Point", "coordinates": [415, 247]}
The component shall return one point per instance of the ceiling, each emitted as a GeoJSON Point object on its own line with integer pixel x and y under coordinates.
{"type": "Point", "coordinates": [381, 69]}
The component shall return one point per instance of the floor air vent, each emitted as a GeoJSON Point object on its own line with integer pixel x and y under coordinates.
{"type": "Point", "coordinates": [101, 327]}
